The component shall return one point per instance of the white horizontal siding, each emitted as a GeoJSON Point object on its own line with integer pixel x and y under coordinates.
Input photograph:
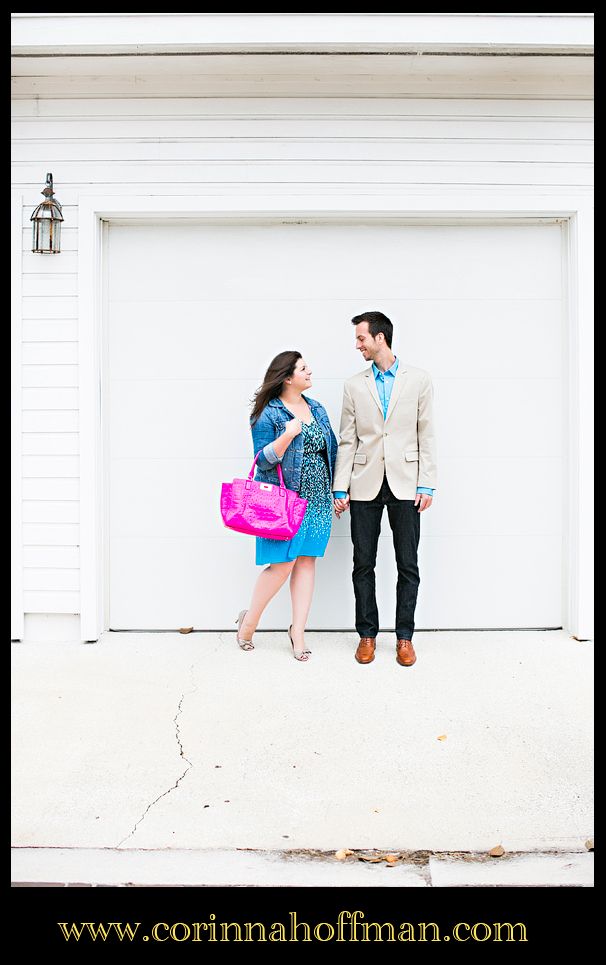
{"type": "Point", "coordinates": [41, 511]}
{"type": "Point", "coordinates": [45, 467]}
{"type": "Point", "coordinates": [50, 443]}
{"type": "Point", "coordinates": [50, 534]}
{"type": "Point", "coordinates": [50, 398]}
{"type": "Point", "coordinates": [51, 577]}
{"type": "Point", "coordinates": [50, 330]}
{"type": "Point", "coordinates": [276, 107]}
{"type": "Point", "coordinates": [51, 557]}
{"type": "Point", "coordinates": [38, 375]}
{"type": "Point", "coordinates": [51, 489]}
{"type": "Point", "coordinates": [558, 78]}
{"type": "Point", "coordinates": [175, 145]}
{"type": "Point", "coordinates": [338, 172]}
{"type": "Point", "coordinates": [45, 305]}
{"type": "Point", "coordinates": [49, 284]}
{"type": "Point", "coordinates": [51, 420]}
{"type": "Point", "coordinates": [45, 601]}
{"type": "Point", "coordinates": [34, 264]}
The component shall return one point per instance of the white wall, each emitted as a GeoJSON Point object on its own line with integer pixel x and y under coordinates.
{"type": "Point", "coordinates": [382, 147]}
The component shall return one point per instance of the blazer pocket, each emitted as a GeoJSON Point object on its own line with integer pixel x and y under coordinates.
{"type": "Point", "coordinates": [360, 457]}
{"type": "Point", "coordinates": [412, 455]}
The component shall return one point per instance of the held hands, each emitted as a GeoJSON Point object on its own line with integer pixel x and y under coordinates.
{"type": "Point", "coordinates": [423, 501]}
{"type": "Point", "coordinates": [341, 505]}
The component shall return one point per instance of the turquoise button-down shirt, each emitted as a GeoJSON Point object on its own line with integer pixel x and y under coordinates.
{"type": "Point", "coordinates": [385, 382]}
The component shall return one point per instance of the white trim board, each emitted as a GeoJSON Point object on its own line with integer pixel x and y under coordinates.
{"type": "Point", "coordinates": [17, 608]}
{"type": "Point", "coordinates": [141, 209]}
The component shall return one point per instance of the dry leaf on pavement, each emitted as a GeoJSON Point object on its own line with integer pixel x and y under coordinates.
{"type": "Point", "coordinates": [497, 851]}
{"type": "Point", "coordinates": [342, 854]}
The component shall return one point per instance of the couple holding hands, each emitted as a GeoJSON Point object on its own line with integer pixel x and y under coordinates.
{"type": "Point", "coordinates": [385, 457]}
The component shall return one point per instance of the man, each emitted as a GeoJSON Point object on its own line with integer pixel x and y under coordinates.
{"type": "Point", "coordinates": [386, 457]}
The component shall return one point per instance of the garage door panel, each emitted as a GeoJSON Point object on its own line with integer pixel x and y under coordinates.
{"type": "Point", "coordinates": [195, 315]}
{"type": "Point", "coordinates": [180, 419]}
{"type": "Point", "coordinates": [146, 341]}
{"type": "Point", "coordinates": [488, 581]}
{"type": "Point", "coordinates": [172, 497]}
{"type": "Point", "coordinates": [480, 417]}
{"type": "Point", "coordinates": [250, 262]}
{"type": "Point", "coordinates": [471, 338]}
{"type": "Point", "coordinates": [506, 336]}
{"type": "Point", "coordinates": [198, 582]}
{"type": "Point", "coordinates": [495, 497]}
{"type": "Point", "coordinates": [180, 498]}
{"type": "Point", "coordinates": [498, 418]}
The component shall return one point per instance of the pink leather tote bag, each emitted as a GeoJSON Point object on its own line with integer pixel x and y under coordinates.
{"type": "Point", "coordinates": [262, 509]}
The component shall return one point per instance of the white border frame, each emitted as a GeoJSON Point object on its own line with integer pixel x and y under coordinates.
{"type": "Point", "coordinates": [145, 209]}
{"type": "Point", "coordinates": [17, 604]}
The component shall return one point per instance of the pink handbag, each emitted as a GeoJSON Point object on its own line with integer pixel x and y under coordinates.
{"type": "Point", "coordinates": [260, 508]}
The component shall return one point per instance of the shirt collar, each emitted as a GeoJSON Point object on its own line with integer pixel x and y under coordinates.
{"type": "Point", "coordinates": [392, 371]}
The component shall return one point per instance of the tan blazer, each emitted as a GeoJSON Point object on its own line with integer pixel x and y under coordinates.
{"type": "Point", "coordinates": [402, 444]}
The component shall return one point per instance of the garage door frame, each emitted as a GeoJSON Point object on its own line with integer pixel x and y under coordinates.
{"type": "Point", "coordinates": [573, 212]}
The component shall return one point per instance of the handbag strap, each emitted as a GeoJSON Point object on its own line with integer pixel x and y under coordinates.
{"type": "Point", "coordinates": [278, 467]}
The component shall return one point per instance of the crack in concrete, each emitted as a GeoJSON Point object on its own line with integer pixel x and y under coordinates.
{"type": "Point", "coordinates": [181, 754]}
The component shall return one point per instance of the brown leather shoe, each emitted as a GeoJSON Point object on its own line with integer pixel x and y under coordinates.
{"type": "Point", "coordinates": [366, 650]}
{"type": "Point", "coordinates": [405, 653]}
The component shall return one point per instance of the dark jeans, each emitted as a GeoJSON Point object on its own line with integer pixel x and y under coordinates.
{"type": "Point", "coordinates": [404, 519]}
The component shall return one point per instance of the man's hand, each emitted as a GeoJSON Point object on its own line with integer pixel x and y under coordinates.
{"type": "Point", "coordinates": [423, 499]}
{"type": "Point", "coordinates": [341, 505]}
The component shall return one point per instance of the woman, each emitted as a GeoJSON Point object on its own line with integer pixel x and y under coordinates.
{"type": "Point", "coordinates": [294, 430]}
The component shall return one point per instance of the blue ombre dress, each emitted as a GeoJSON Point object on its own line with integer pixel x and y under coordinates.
{"type": "Point", "coordinates": [314, 532]}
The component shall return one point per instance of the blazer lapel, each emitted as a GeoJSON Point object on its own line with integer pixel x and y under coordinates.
{"type": "Point", "coordinates": [395, 392]}
{"type": "Point", "coordinates": [372, 388]}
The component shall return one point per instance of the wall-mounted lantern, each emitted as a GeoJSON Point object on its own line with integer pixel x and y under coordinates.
{"type": "Point", "coordinates": [47, 220]}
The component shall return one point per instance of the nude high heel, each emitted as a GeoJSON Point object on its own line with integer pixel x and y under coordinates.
{"type": "Point", "coordinates": [243, 644]}
{"type": "Point", "coordinates": [302, 655]}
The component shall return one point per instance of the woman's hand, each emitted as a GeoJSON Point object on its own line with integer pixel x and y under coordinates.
{"type": "Point", "coordinates": [293, 428]}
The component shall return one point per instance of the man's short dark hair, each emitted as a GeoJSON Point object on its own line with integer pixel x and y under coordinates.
{"type": "Point", "coordinates": [377, 322]}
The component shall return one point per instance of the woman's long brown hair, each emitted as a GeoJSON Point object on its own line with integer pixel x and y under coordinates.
{"type": "Point", "coordinates": [279, 369]}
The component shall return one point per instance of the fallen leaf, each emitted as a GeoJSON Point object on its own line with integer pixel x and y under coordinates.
{"type": "Point", "coordinates": [497, 851]}
{"type": "Point", "coordinates": [363, 857]}
{"type": "Point", "coordinates": [342, 854]}
{"type": "Point", "coordinates": [186, 629]}
{"type": "Point", "coordinates": [442, 737]}
{"type": "Point", "coordinates": [589, 844]}
{"type": "Point", "coordinates": [392, 858]}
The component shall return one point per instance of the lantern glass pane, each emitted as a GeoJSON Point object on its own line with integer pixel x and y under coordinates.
{"type": "Point", "coordinates": [46, 236]}
{"type": "Point", "coordinates": [55, 236]}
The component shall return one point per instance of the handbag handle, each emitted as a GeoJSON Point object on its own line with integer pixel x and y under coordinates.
{"type": "Point", "coordinates": [280, 476]}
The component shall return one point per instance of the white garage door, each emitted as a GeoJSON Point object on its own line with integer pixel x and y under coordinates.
{"type": "Point", "coordinates": [195, 313]}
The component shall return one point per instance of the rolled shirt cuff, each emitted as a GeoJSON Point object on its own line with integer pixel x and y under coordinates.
{"type": "Point", "coordinates": [339, 495]}
{"type": "Point", "coordinates": [425, 489]}
{"type": "Point", "coordinates": [270, 454]}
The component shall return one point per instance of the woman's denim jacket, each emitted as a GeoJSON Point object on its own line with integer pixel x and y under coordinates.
{"type": "Point", "coordinates": [270, 425]}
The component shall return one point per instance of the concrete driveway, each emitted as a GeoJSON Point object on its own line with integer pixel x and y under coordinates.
{"type": "Point", "coordinates": [153, 741]}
